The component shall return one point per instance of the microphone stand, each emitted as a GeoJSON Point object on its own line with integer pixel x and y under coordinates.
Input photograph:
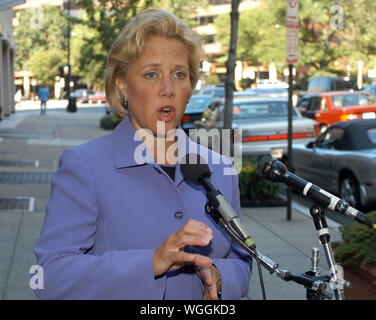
{"type": "Point", "coordinates": [312, 281]}
{"type": "Point", "coordinates": [337, 283]}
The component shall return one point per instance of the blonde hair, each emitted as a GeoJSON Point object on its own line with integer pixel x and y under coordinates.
{"type": "Point", "coordinates": [129, 46]}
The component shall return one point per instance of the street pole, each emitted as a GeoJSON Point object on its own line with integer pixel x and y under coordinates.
{"type": "Point", "coordinates": [292, 48]}
{"type": "Point", "coordinates": [69, 67]}
{"type": "Point", "coordinates": [289, 141]}
{"type": "Point", "coordinates": [71, 100]}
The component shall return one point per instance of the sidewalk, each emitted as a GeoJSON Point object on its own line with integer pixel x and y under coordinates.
{"type": "Point", "coordinates": [29, 136]}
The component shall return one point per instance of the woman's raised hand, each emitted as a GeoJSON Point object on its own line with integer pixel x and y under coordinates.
{"type": "Point", "coordinates": [170, 255]}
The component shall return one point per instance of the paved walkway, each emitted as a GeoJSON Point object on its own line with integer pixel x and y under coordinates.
{"type": "Point", "coordinates": [29, 136]}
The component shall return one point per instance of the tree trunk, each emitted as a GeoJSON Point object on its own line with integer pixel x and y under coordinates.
{"type": "Point", "coordinates": [230, 64]}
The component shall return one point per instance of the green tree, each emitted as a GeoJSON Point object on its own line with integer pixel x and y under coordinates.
{"type": "Point", "coordinates": [44, 64]}
{"type": "Point", "coordinates": [180, 8]}
{"type": "Point", "coordinates": [100, 24]}
{"type": "Point", "coordinates": [44, 27]}
{"type": "Point", "coordinates": [322, 39]}
{"type": "Point", "coordinates": [261, 39]}
{"type": "Point", "coordinates": [359, 33]}
{"type": "Point", "coordinates": [88, 55]}
{"type": "Point", "coordinates": [96, 30]}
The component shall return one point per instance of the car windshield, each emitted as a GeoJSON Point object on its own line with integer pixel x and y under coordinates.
{"type": "Point", "coordinates": [198, 103]}
{"type": "Point", "coordinates": [261, 109]}
{"type": "Point", "coordinates": [356, 99]}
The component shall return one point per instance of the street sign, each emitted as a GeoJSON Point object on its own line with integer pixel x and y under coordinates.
{"type": "Point", "coordinates": [292, 31]}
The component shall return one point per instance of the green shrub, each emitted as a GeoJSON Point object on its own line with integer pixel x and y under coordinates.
{"type": "Point", "coordinates": [359, 245]}
{"type": "Point", "coordinates": [212, 79]}
{"type": "Point", "coordinates": [109, 122]}
{"type": "Point", "coordinates": [253, 187]}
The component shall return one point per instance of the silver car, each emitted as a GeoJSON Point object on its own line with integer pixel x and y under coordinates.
{"type": "Point", "coordinates": [263, 123]}
{"type": "Point", "coordinates": [342, 160]}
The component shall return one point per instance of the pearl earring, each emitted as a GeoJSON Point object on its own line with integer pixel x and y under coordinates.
{"type": "Point", "coordinates": [125, 102]}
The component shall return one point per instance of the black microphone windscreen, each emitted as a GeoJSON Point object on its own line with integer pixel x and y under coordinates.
{"type": "Point", "coordinates": [271, 169]}
{"type": "Point", "coordinates": [194, 168]}
{"type": "Point", "coordinates": [263, 164]}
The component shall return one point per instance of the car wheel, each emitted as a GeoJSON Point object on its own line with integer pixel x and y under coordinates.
{"type": "Point", "coordinates": [349, 190]}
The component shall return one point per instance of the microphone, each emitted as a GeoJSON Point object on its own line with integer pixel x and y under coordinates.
{"type": "Point", "coordinates": [273, 170]}
{"type": "Point", "coordinates": [198, 172]}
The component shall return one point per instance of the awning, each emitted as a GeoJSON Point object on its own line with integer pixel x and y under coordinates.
{"type": "Point", "coordinates": [7, 4]}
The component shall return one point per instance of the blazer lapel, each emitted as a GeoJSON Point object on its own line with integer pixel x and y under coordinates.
{"type": "Point", "coordinates": [128, 147]}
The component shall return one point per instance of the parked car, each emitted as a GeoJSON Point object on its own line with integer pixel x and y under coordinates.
{"type": "Point", "coordinates": [342, 160]}
{"type": "Point", "coordinates": [196, 106]}
{"type": "Point", "coordinates": [272, 84]}
{"type": "Point", "coordinates": [216, 92]}
{"type": "Point", "coordinates": [263, 123]}
{"type": "Point", "coordinates": [81, 95]}
{"type": "Point", "coordinates": [245, 93]}
{"type": "Point", "coordinates": [327, 84]}
{"type": "Point", "coordinates": [98, 97]}
{"type": "Point", "coordinates": [269, 92]}
{"type": "Point", "coordinates": [327, 108]}
{"type": "Point", "coordinates": [371, 89]}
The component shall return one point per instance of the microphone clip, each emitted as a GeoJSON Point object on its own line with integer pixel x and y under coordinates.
{"type": "Point", "coordinates": [213, 212]}
{"type": "Point", "coordinates": [212, 206]}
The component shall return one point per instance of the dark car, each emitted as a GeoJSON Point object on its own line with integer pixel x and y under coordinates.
{"type": "Point", "coordinates": [327, 84]}
{"type": "Point", "coordinates": [371, 89]}
{"type": "Point", "coordinates": [194, 110]}
{"type": "Point", "coordinates": [329, 107]}
{"type": "Point", "coordinates": [342, 160]}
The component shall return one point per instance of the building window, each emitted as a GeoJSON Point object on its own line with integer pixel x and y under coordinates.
{"type": "Point", "coordinates": [204, 20]}
{"type": "Point", "coordinates": [209, 38]}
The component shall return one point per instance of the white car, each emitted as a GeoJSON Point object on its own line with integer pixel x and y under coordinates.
{"type": "Point", "coordinates": [272, 84]}
{"type": "Point", "coordinates": [263, 123]}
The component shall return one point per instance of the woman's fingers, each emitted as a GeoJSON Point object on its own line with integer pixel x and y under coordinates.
{"type": "Point", "coordinates": [213, 292]}
{"type": "Point", "coordinates": [205, 275]}
{"type": "Point", "coordinates": [194, 227]}
{"type": "Point", "coordinates": [209, 276]}
{"type": "Point", "coordinates": [191, 258]}
{"type": "Point", "coordinates": [170, 255]}
{"type": "Point", "coordinates": [184, 239]}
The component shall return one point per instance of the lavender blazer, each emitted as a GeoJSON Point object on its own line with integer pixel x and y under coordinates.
{"type": "Point", "coordinates": [108, 213]}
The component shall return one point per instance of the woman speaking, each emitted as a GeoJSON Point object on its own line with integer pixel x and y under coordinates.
{"type": "Point", "coordinates": [122, 221]}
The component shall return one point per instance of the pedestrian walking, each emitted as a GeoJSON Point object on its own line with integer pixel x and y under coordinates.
{"type": "Point", "coordinates": [43, 94]}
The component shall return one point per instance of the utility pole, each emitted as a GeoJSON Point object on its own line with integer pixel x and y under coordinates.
{"type": "Point", "coordinates": [69, 66]}
{"type": "Point", "coordinates": [230, 64]}
{"type": "Point", "coordinates": [292, 53]}
{"type": "Point", "coordinates": [72, 107]}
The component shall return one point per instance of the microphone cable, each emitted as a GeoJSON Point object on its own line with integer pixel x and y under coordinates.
{"type": "Point", "coordinates": [255, 254]}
